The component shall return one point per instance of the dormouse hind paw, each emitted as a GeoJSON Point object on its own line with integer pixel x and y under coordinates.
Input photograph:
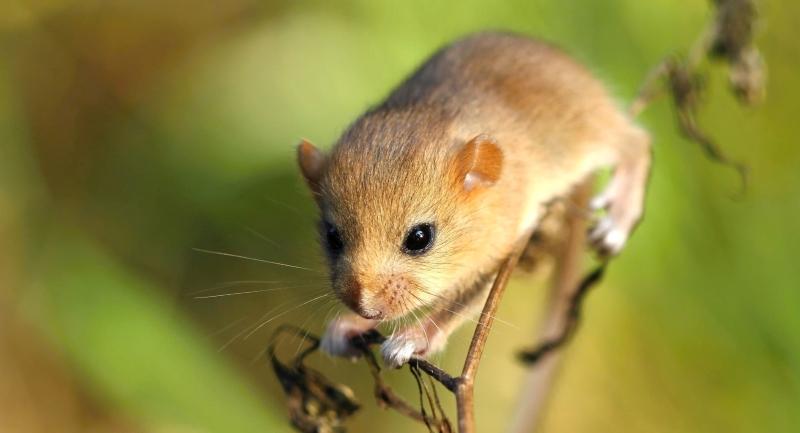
{"type": "Point", "coordinates": [607, 237]}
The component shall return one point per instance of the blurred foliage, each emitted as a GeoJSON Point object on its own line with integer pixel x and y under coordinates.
{"type": "Point", "coordinates": [134, 132]}
{"type": "Point", "coordinates": [129, 342]}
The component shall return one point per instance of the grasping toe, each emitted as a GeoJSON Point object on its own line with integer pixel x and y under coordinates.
{"type": "Point", "coordinates": [399, 348]}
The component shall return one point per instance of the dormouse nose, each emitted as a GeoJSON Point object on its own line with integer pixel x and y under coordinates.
{"type": "Point", "coordinates": [354, 298]}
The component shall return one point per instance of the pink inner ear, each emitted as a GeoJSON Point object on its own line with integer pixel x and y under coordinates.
{"type": "Point", "coordinates": [480, 162]}
{"type": "Point", "coordinates": [474, 180]}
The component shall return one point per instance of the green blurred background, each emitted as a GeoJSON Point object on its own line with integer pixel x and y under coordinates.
{"type": "Point", "coordinates": [134, 132]}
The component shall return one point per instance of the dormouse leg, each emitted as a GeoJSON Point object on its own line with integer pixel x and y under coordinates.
{"type": "Point", "coordinates": [623, 197]}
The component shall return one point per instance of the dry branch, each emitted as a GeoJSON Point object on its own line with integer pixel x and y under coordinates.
{"type": "Point", "coordinates": [728, 38]}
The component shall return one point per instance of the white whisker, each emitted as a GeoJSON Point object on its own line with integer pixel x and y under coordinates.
{"type": "Point", "coordinates": [247, 328]}
{"type": "Point", "coordinates": [284, 313]}
{"type": "Point", "coordinates": [442, 298]}
{"type": "Point", "coordinates": [227, 284]}
{"type": "Point", "coordinates": [422, 327]}
{"type": "Point", "coordinates": [255, 259]}
{"type": "Point", "coordinates": [430, 318]}
{"type": "Point", "coordinates": [262, 237]}
{"type": "Point", "coordinates": [226, 327]}
{"type": "Point", "coordinates": [305, 331]}
{"type": "Point", "coordinates": [242, 293]}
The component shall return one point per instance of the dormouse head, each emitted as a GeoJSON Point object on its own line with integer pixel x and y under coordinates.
{"type": "Point", "coordinates": [400, 224]}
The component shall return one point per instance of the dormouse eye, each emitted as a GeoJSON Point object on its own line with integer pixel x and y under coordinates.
{"type": "Point", "coordinates": [333, 239]}
{"type": "Point", "coordinates": [419, 239]}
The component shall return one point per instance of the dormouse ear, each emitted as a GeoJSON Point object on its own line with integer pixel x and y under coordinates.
{"type": "Point", "coordinates": [311, 161]}
{"type": "Point", "coordinates": [479, 163]}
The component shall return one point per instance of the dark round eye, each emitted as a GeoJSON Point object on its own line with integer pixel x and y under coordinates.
{"type": "Point", "coordinates": [419, 239]}
{"type": "Point", "coordinates": [332, 239]}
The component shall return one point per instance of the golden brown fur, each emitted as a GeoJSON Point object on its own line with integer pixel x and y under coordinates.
{"type": "Point", "coordinates": [476, 141]}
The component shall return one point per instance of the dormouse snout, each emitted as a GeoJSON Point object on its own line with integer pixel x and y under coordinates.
{"type": "Point", "coordinates": [353, 295]}
{"type": "Point", "coordinates": [379, 297]}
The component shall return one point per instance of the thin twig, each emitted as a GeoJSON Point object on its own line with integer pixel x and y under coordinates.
{"type": "Point", "coordinates": [466, 383]}
{"type": "Point", "coordinates": [374, 338]}
{"type": "Point", "coordinates": [436, 373]}
{"type": "Point", "coordinates": [384, 394]}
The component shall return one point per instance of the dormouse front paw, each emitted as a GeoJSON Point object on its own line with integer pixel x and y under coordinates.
{"type": "Point", "coordinates": [336, 340]}
{"type": "Point", "coordinates": [400, 347]}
